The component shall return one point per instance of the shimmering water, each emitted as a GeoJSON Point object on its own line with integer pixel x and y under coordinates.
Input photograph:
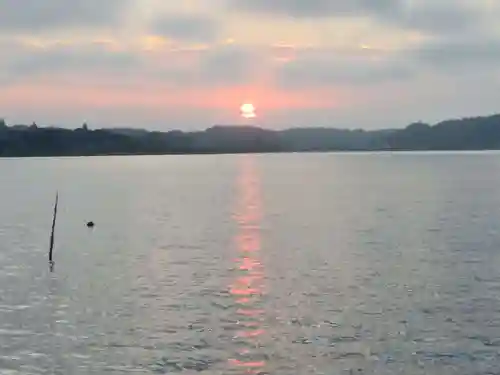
{"type": "Point", "coordinates": [270, 264]}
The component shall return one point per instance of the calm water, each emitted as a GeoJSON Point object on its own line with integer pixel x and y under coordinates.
{"type": "Point", "coordinates": [275, 264]}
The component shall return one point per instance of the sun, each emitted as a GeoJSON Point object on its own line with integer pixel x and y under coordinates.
{"type": "Point", "coordinates": [247, 110]}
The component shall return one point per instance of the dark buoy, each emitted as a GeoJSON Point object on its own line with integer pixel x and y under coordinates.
{"type": "Point", "coordinates": [90, 224]}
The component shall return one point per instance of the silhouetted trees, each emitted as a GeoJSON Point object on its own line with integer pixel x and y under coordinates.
{"type": "Point", "coordinates": [477, 133]}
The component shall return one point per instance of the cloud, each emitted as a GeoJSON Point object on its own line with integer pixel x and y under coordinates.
{"type": "Point", "coordinates": [317, 8]}
{"type": "Point", "coordinates": [446, 18]}
{"type": "Point", "coordinates": [26, 61]}
{"type": "Point", "coordinates": [215, 66]}
{"type": "Point", "coordinates": [47, 15]}
{"type": "Point", "coordinates": [186, 27]}
{"type": "Point", "coordinates": [465, 54]}
{"type": "Point", "coordinates": [228, 65]}
{"type": "Point", "coordinates": [108, 63]}
{"type": "Point", "coordinates": [231, 64]}
{"type": "Point", "coordinates": [441, 18]}
{"type": "Point", "coordinates": [333, 68]}
{"type": "Point", "coordinates": [69, 64]}
{"type": "Point", "coordinates": [426, 16]}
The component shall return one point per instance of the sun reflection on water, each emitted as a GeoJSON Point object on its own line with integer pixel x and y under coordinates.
{"type": "Point", "coordinates": [247, 288]}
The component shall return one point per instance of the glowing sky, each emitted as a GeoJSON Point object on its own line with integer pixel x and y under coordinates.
{"type": "Point", "coordinates": [340, 63]}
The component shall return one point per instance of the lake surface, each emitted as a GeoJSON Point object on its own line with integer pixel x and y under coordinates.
{"type": "Point", "coordinates": [252, 264]}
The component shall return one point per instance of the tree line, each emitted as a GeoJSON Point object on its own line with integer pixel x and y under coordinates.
{"type": "Point", "coordinates": [475, 133]}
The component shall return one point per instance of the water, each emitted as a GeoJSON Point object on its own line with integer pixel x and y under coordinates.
{"type": "Point", "coordinates": [270, 264]}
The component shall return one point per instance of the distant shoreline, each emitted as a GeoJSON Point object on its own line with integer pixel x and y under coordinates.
{"type": "Point", "coordinates": [423, 152]}
{"type": "Point", "coordinates": [468, 134]}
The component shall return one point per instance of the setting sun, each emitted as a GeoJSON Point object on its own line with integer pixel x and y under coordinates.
{"type": "Point", "coordinates": [247, 110]}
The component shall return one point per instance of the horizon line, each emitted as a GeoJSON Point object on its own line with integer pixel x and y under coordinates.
{"type": "Point", "coordinates": [252, 126]}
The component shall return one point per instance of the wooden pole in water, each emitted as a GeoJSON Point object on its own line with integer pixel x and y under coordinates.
{"type": "Point", "coordinates": [51, 261]}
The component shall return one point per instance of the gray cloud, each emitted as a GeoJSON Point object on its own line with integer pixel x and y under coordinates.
{"type": "Point", "coordinates": [441, 19]}
{"type": "Point", "coordinates": [229, 64]}
{"type": "Point", "coordinates": [190, 27]}
{"type": "Point", "coordinates": [237, 65]}
{"type": "Point", "coordinates": [446, 57]}
{"type": "Point", "coordinates": [225, 65]}
{"type": "Point", "coordinates": [323, 69]}
{"type": "Point", "coordinates": [211, 67]}
{"type": "Point", "coordinates": [458, 53]}
{"type": "Point", "coordinates": [46, 15]}
{"type": "Point", "coordinates": [444, 17]}
{"type": "Point", "coordinates": [221, 66]}
{"type": "Point", "coordinates": [26, 63]}
{"type": "Point", "coordinates": [432, 17]}
{"type": "Point", "coordinates": [317, 8]}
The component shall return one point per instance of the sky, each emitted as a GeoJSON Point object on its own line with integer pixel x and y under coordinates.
{"type": "Point", "coordinates": [190, 64]}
